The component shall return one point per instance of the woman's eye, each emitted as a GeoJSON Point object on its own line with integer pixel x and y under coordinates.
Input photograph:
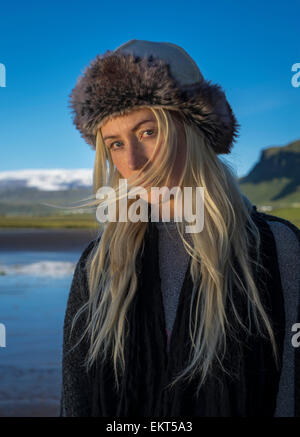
{"type": "Point", "coordinates": [112, 144]}
{"type": "Point", "coordinates": [147, 131]}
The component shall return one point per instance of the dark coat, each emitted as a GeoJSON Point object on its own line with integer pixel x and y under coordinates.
{"type": "Point", "coordinates": [250, 390]}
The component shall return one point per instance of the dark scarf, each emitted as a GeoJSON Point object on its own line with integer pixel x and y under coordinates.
{"type": "Point", "coordinates": [253, 385]}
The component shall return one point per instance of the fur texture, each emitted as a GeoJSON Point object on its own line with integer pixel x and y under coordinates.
{"type": "Point", "coordinates": [116, 82]}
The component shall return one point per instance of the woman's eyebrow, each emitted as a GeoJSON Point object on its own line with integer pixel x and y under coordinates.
{"type": "Point", "coordinates": [133, 129]}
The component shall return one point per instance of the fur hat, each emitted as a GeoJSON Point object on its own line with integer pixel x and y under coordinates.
{"type": "Point", "coordinates": [145, 73]}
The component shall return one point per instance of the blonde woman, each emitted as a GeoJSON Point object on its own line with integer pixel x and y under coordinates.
{"type": "Point", "coordinates": [162, 320]}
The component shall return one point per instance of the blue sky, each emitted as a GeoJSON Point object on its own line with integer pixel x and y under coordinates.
{"type": "Point", "coordinates": [247, 47]}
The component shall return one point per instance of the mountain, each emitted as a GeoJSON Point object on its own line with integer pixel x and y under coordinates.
{"type": "Point", "coordinates": [26, 191]}
{"type": "Point", "coordinates": [275, 178]}
{"type": "Point", "coordinates": [46, 180]}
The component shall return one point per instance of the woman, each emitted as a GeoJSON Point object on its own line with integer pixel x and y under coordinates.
{"type": "Point", "coordinates": [161, 321]}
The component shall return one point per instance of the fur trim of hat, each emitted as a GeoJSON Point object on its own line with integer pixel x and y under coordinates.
{"type": "Point", "coordinates": [115, 82]}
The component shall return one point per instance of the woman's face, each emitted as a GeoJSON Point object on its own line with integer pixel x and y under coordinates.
{"type": "Point", "coordinates": [131, 140]}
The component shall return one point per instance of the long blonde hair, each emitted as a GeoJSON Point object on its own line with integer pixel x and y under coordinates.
{"type": "Point", "coordinates": [111, 266]}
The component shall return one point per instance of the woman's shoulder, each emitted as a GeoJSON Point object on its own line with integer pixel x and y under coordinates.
{"type": "Point", "coordinates": [287, 239]}
{"type": "Point", "coordinates": [285, 232]}
{"type": "Point", "coordinates": [87, 251]}
{"type": "Point", "coordinates": [79, 285]}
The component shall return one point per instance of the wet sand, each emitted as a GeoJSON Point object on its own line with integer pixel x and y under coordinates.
{"type": "Point", "coordinates": [30, 409]}
{"type": "Point", "coordinates": [29, 392]}
{"type": "Point", "coordinates": [45, 239]}
{"type": "Point", "coordinates": [36, 392]}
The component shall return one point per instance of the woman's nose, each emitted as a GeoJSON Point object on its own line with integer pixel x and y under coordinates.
{"type": "Point", "coordinates": [135, 157]}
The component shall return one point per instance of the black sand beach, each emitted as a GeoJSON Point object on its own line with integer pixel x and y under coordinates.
{"type": "Point", "coordinates": [45, 239]}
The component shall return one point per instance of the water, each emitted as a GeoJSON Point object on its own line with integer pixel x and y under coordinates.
{"type": "Point", "coordinates": [34, 287]}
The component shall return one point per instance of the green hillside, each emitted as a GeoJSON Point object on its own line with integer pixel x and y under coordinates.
{"type": "Point", "coordinates": [275, 178]}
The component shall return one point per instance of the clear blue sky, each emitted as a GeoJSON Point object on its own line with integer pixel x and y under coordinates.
{"type": "Point", "coordinates": [247, 47]}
